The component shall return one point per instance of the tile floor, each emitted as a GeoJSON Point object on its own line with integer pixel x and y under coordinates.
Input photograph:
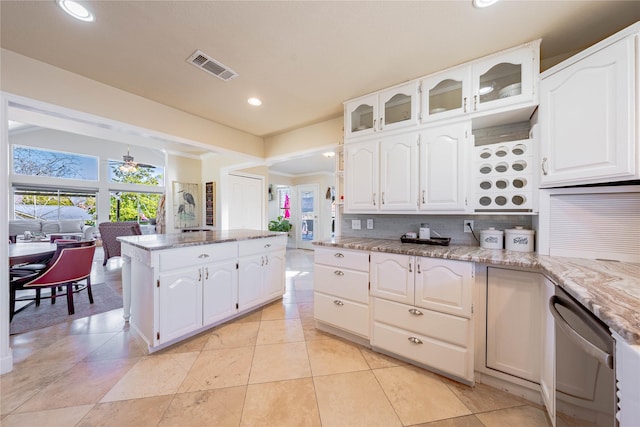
{"type": "Point", "coordinates": [268, 368]}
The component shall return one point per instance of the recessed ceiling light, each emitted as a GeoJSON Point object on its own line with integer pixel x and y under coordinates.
{"type": "Point", "coordinates": [76, 10]}
{"type": "Point", "coordinates": [483, 3]}
{"type": "Point", "coordinates": [254, 101]}
{"type": "Point", "coordinates": [329, 154]}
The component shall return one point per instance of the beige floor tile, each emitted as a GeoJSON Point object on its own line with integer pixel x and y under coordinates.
{"type": "Point", "coordinates": [522, 416]}
{"type": "Point", "coordinates": [419, 396]}
{"type": "Point", "coordinates": [124, 345]}
{"type": "Point", "coordinates": [279, 310]}
{"type": "Point", "coordinates": [253, 316]}
{"type": "Point", "coordinates": [221, 407]}
{"type": "Point", "coordinates": [281, 404]}
{"type": "Point", "coordinates": [466, 421]}
{"type": "Point", "coordinates": [276, 362]}
{"type": "Point", "coordinates": [304, 295]}
{"type": "Point", "coordinates": [305, 310]}
{"type": "Point", "coordinates": [68, 349]}
{"type": "Point", "coordinates": [333, 356]}
{"type": "Point", "coordinates": [378, 360]}
{"type": "Point", "coordinates": [483, 398]}
{"type": "Point", "coordinates": [62, 417]}
{"type": "Point", "coordinates": [21, 384]}
{"type": "Point", "coordinates": [232, 335]}
{"type": "Point", "coordinates": [193, 344]}
{"type": "Point", "coordinates": [154, 375]}
{"type": "Point", "coordinates": [353, 399]}
{"type": "Point", "coordinates": [280, 331]}
{"type": "Point", "coordinates": [145, 412]}
{"type": "Point", "coordinates": [84, 384]}
{"type": "Point", "coordinates": [218, 369]}
{"type": "Point", "coordinates": [312, 333]}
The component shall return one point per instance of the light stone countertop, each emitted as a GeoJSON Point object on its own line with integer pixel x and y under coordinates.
{"type": "Point", "coordinates": [156, 242]}
{"type": "Point", "coordinates": [609, 289]}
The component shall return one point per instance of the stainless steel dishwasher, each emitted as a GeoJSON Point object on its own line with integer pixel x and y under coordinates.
{"type": "Point", "coordinates": [585, 366]}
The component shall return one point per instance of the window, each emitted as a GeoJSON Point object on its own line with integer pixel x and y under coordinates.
{"type": "Point", "coordinates": [32, 161]}
{"type": "Point", "coordinates": [134, 206]}
{"type": "Point", "coordinates": [135, 173]}
{"type": "Point", "coordinates": [54, 204]}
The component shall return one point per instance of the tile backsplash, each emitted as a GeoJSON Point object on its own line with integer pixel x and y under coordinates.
{"type": "Point", "coordinates": [394, 226]}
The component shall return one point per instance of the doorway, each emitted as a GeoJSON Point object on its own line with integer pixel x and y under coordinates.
{"type": "Point", "coordinates": [307, 214]}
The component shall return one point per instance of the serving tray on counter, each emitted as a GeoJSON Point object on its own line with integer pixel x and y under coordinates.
{"type": "Point", "coordinates": [439, 241]}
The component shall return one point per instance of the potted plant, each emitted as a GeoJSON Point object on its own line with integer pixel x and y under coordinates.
{"type": "Point", "coordinates": [280, 224]}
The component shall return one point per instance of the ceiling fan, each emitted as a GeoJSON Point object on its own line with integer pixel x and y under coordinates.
{"type": "Point", "coordinates": [129, 165]}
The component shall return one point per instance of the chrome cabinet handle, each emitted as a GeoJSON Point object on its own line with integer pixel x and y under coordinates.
{"type": "Point", "coordinates": [418, 269]}
{"type": "Point", "coordinates": [338, 302]}
{"type": "Point", "coordinates": [410, 270]}
{"type": "Point", "coordinates": [338, 273]}
{"type": "Point", "coordinates": [203, 256]}
{"type": "Point", "coordinates": [475, 102]}
{"type": "Point", "coordinates": [199, 275]}
{"type": "Point", "coordinates": [374, 125]}
{"type": "Point", "coordinates": [415, 340]}
{"type": "Point", "coordinates": [206, 273]}
{"type": "Point", "coordinates": [268, 245]}
{"type": "Point", "coordinates": [373, 199]}
{"type": "Point", "coordinates": [266, 260]}
{"type": "Point", "coordinates": [545, 167]}
{"type": "Point", "coordinates": [338, 255]}
{"type": "Point", "coordinates": [423, 195]}
{"type": "Point", "coordinates": [262, 257]}
{"type": "Point", "coordinates": [415, 312]}
{"type": "Point", "coordinates": [465, 104]}
{"type": "Point", "coordinates": [381, 122]}
{"type": "Point", "coordinates": [383, 197]}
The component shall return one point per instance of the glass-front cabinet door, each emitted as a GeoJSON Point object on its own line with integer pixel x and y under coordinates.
{"type": "Point", "coordinates": [361, 116]}
{"type": "Point", "coordinates": [503, 80]}
{"type": "Point", "coordinates": [399, 107]}
{"type": "Point", "coordinates": [446, 94]}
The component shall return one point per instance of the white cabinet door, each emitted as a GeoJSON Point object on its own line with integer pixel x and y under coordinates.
{"type": "Point", "coordinates": [180, 303]}
{"type": "Point", "coordinates": [250, 278]}
{"type": "Point", "coordinates": [361, 116]}
{"type": "Point", "coordinates": [399, 172]}
{"type": "Point", "coordinates": [446, 94]}
{"type": "Point", "coordinates": [442, 171]}
{"type": "Point", "coordinates": [361, 177]}
{"type": "Point", "coordinates": [274, 275]}
{"type": "Point", "coordinates": [391, 277]}
{"type": "Point", "coordinates": [398, 107]}
{"type": "Point", "coordinates": [514, 335]}
{"type": "Point", "coordinates": [588, 118]}
{"type": "Point", "coordinates": [219, 292]}
{"type": "Point", "coordinates": [547, 364]}
{"type": "Point", "coordinates": [444, 285]}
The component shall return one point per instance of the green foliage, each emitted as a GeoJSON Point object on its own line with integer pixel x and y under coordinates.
{"type": "Point", "coordinates": [132, 205]}
{"type": "Point", "coordinates": [280, 224]}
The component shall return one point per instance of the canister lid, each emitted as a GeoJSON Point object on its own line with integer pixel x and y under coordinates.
{"type": "Point", "coordinates": [519, 230]}
{"type": "Point", "coordinates": [492, 230]}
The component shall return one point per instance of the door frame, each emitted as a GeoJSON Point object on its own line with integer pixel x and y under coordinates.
{"type": "Point", "coordinates": [315, 188]}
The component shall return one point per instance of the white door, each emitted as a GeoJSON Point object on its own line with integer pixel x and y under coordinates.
{"type": "Point", "coordinates": [307, 208]}
{"type": "Point", "coordinates": [246, 199]}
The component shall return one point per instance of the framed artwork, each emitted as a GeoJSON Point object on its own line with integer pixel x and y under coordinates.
{"type": "Point", "coordinates": [210, 203]}
{"type": "Point", "coordinates": [186, 205]}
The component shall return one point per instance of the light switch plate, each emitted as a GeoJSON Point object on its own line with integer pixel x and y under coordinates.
{"type": "Point", "coordinates": [355, 224]}
{"type": "Point", "coordinates": [370, 224]}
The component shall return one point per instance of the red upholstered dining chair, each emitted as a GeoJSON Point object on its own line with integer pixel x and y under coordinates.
{"type": "Point", "coordinates": [71, 264]}
{"type": "Point", "coordinates": [109, 231]}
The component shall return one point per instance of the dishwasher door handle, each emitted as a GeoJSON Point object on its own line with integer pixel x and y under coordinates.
{"type": "Point", "coordinates": [600, 355]}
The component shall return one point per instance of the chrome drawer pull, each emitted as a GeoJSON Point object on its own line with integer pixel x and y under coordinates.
{"type": "Point", "coordinates": [203, 256]}
{"type": "Point", "coordinates": [338, 273]}
{"type": "Point", "coordinates": [338, 255]}
{"type": "Point", "coordinates": [268, 245]}
{"type": "Point", "coordinates": [338, 302]}
{"type": "Point", "coordinates": [414, 340]}
{"type": "Point", "coordinates": [415, 312]}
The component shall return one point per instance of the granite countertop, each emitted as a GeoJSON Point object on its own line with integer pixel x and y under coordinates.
{"type": "Point", "coordinates": [156, 242]}
{"type": "Point", "coordinates": [609, 289]}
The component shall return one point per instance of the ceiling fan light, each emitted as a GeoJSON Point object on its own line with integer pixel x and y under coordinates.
{"type": "Point", "coordinates": [76, 10]}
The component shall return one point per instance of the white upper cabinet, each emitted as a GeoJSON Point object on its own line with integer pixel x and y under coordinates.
{"type": "Point", "coordinates": [387, 110]}
{"type": "Point", "coordinates": [442, 171]}
{"type": "Point", "coordinates": [399, 172]}
{"type": "Point", "coordinates": [498, 83]}
{"type": "Point", "coordinates": [361, 176]}
{"type": "Point", "coordinates": [588, 115]}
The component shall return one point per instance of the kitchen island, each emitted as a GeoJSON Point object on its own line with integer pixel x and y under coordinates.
{"type": "Point", "coordinates": [177, 285]}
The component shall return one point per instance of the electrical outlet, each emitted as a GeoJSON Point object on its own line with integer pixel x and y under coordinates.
{"type": "Point", "coordinates": [468, 225]}
{"type": "Point", "coordinates": [370, 224]}
{"type": "Point", "coordinates": [355, 224]}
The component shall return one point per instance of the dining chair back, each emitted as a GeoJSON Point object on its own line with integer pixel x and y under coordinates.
{"type": "Point", "coordinates": [71, 264]}
{"type": "Point", "coordinates": [110, 231]}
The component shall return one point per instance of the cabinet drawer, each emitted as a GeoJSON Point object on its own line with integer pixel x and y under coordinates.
{"type": "Point", "coordinates": [355, 260]}
{"type": "Point", "coordinates": [443, 327]}
{"type": "Point", "coordinates": [260, 246]}
{"type": "Point", "coordinates": [349, 284]}
{"type": "Point", "coordinates": [171, 259]}
{"type": "Point", "coordinates": [341, 313]}
{"type": "Point", "coordinates": [444, 357]}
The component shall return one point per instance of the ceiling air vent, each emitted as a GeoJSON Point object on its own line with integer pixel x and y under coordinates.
{"type": "Point", "coordinates": [211, 66]}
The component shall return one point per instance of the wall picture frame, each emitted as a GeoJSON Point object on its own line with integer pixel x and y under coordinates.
{"type": "Point", "coordinates": [187, 206]}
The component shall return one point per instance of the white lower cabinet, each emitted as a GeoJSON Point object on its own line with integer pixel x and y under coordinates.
{"type": "Point", "coordinates": [514, 322]}
{"type": "Point", "coordinates": [261, 273]}
{"type": "Point", "coordinates": [219, 292]}
{"type": "Point", "coordinates": [341, 290]}
{"type": "Point", "coordinates": [413, 298]}
{"type": "Point", "coordinates": [180, 303]}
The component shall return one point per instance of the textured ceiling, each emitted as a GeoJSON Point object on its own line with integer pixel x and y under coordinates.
{"type": "Point", "coordinates": [302, 58]}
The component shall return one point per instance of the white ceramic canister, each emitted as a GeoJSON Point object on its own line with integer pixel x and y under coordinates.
{"type": "Point", "coordinates": [491, 238]}
{"type": "Point", "coordinates": [425, 231]}
{"type": "Point", "coordinates": [519, 239]}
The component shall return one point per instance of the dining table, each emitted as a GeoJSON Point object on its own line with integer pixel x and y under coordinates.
{"type": "Point", "coordinates": [21, 253]}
